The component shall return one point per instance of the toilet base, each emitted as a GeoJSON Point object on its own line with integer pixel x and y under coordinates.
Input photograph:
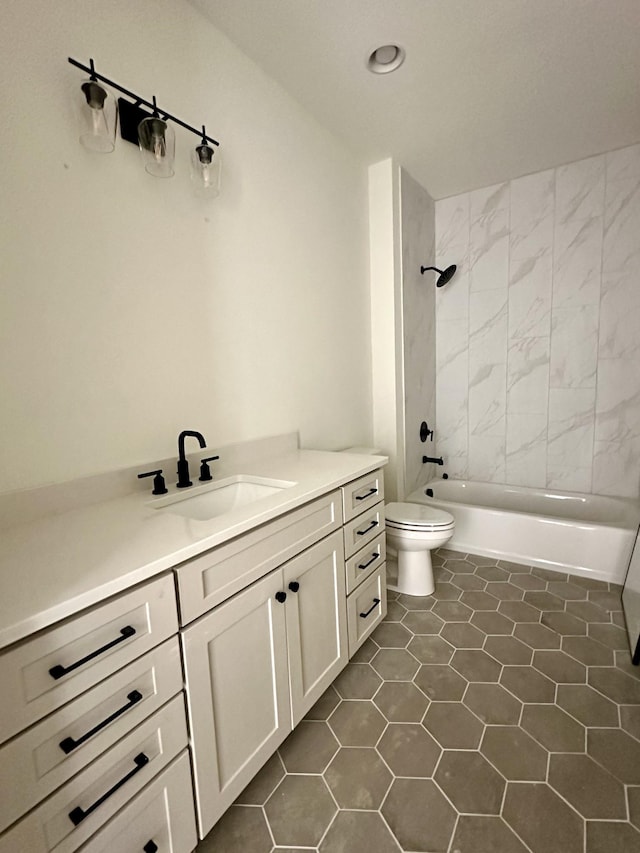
{"type": "Point", "coordinates": [415, 574]}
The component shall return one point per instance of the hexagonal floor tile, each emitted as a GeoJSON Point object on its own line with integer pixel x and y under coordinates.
{"type": "Point", "coordinates": [299, 811]}
{"type": "Point", "coordinates": [357, 681]}
{"type": "Point", "coordinates": [615, 684]}
{"type": "Point", "coordinates": [508, 650]}
{"type": "Point", "coordinates": [242, 829]}
{"type": "Point", "coordinates": [587, 787]}
{"type": "Point", "coordinates": [528, 684]}
{"type": "Point", "coordinates": [409, 750]}
{"type": "Point", "coordinates": [519, 611]}
{"type": "Point", "coordinates": [630, 719]}
{"type": "Point", "coordinates": [358, 778]}
{"type": "Point", "coordinates": [416, 602]}
{"type": "Point", "coordinates": [606, 837]}
{"type": "Point", "coordinates": [559, 667]}
{"type": "Point", "coordinates": [485, 835]}
{"type": "Point", "coordinates": [527, 582]}
{"type": "Point", "coordinates": [462, 635]}
{"type": "Point", "coordinates": [609, 601]}
{"type": "Point", "coordinates": [395, 664]}
{"type": "Point", "coordinates": [567, 590]}
{"type": "Point", "coordinates": [493, 623]}
{"type": "Point", "coordinates": [391, 635]}
{"type": "Point", "coordinates": [440, 682]}
{"type": "Point", "coordinates": [472, 582]}
{"type": "Point", "coordinates": [543, 600]}
{"type": "Point", "coordinates": [366, 651]}
{"type": "Point", "coordinates": [453, 725]}
{"type": "Point", "coordinates": [325, 705]}
{"type": "Point", "coordinates": [493, 705]}
{"type": "Point", "coordinates": [479, 600]}
{"type": "Point", "coordinates": [419, 816]}
{"type": "Point", "coordinates": [395, 612]}
{"type": "Point", "coordinates": [401, 702]}
{"type": "Point", "coordinates": [429, 649]}
{"type": "Point", "coordinates": [609, 635]}
{"type": "Point", "coordinates": [476, 665]}
{"type": "Point", "coordinates": [588, 611]}
{"type": "Point", "coordinates": [309, 748]}
{"type": "Point", "coordinates": [452, 611]}
{"type": "Point", "coordinates": [515, 754]}
{"type": "Point", "coordinates": [633, 795]}
{"type": "Point", "coordinates": [357, 723]}
{"type": "Point", "coordinates": [423, 622]}
{"type": "Point", "coordinates": [587, 705]}
{"type": "Point", "coordinates": [446, 592]}
{"type": "Point", "coordinates": [564, 623]}
{"type": "Point", "coordinates": [461, 567]}
{"type": "Point", "coordinates": [263, 784]}
{"type": "Point", "coordinates": [358, 832]}
{"type": "Point", "coordinates": [537, 636]}
{"type": "Point", "coordinates": [505, 591]}
{"type": "Point", "coordinates": [470, 782]}
{"type": "Point", "coordinates": [549, 574]}
{"type": "Point", "coordinates": [587, 651]}
{"type": "Point", "coordinates": [492, 573]}
{"type": "Point", "coordinates": [555, 730]}
{"type": "Point", "coordinates": [617, 751]}
{"type": "Point", "coordinates": [542, 820]}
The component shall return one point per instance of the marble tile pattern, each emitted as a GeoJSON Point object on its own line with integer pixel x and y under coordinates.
{"type": "Point", "coordinates": [417, 219]}
{"type": "Point", "coordinates": [544, 320]}
{"type": "Point", "coordinates": [499, 715]}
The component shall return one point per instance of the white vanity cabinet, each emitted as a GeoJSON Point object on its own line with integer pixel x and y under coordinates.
{"type": "Point", "coordinates": [256, 664]}
{"type": "Point", "coordinates": [92, 711]}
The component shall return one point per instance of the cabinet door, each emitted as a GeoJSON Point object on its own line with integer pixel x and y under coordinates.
{"type": "Point", "coordinates": [237, 687]}
{"type": "Point", "coordinates": [316, 621]}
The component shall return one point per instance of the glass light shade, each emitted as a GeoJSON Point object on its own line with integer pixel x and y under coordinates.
{"type": "Point", "coordinates": [206, 167]}
{"type": "Point", "coordinates": [97, 116]}
{"type": "Point", "coordinates": [157, 146]}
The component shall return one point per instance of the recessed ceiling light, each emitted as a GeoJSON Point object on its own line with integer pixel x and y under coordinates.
{"type": "Point", "coordinates": [385, 58]}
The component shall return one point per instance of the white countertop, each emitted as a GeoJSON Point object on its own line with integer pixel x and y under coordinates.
{"type": "Point", "coordinates": [56, 565]}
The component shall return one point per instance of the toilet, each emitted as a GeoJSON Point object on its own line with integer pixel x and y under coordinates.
{"type": "Point", "coordinates": [413, 531]}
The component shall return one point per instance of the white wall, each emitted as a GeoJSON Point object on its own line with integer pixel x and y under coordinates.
{"type": "Point", "coordinates": [130, 309]}
{"type": "Point", "coordinates": [538, 335]}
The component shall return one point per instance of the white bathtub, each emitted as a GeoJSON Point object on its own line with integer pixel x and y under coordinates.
{"type": "Point", "coordinates": [564, 531]}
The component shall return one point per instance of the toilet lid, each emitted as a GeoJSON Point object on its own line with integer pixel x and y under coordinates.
{"type": "Point", "coordinates": [417, 515]}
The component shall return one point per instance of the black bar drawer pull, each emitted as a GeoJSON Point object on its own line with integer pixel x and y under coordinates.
{"type": "Point", "coordinates": [78, 814]}
{"type": "Point", "coordinates": [367, 529]}
{"type": "Point", "coordinates": [58, 670]}
{"type": "Point", "coordinates": [376, 602]}
{"type": "Point", "coordinates": [150, 847]}
{"type": "Point", "coordinates": [366, 565]}
{"type": "Point", "coordinates": [69, 744]}
{"type": "Point", "coordinates": [373, 491]}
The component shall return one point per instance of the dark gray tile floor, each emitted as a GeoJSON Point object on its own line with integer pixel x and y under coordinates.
{"type": "Point", "coordinates": [499, 715]}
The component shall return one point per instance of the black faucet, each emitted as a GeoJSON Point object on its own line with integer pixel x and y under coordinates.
{"type": "Point", "coordinates": [437, 460]}
{"type": "Point", "coordinates": [183, 465]}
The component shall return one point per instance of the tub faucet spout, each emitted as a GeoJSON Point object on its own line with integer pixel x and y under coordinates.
{"type": "Point", "coordinates": [436, 460]}
{"type": "Point", "coordinates": [183, 465]}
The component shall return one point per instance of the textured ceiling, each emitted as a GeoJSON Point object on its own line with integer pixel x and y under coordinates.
{"type": "Point", "coordinates": [490, 89]}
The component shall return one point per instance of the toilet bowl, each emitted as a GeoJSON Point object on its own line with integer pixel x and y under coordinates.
{"type": "Point", "coordinates": [413, 531]}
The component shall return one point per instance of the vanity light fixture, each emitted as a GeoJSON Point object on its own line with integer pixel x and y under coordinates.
{"type": "Point", "coordinates": [151, 131]}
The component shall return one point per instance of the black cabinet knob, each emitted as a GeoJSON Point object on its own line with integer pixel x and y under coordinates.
{"type": "Point", "coordinates": [281, 597]}
{"type": "Point", "coordinates": [294, 586]}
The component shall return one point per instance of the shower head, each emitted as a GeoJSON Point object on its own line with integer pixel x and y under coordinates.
{"type": "Point", "coordinates": [445, 275]}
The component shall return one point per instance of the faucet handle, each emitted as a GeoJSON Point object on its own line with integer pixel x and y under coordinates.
{"type": "Point", "coordinates": [159, 487]}
{"type": "Point", "coordinates": [205, 471]}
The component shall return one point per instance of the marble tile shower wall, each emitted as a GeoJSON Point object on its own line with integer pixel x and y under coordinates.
{"type": "Point", "coordinates": [538, 335]}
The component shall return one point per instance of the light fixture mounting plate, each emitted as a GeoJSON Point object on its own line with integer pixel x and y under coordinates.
{"type": "Point", "coordinates": [130, 115]}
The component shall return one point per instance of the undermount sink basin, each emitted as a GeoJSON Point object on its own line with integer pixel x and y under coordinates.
{"type": "Point", "coordinates": [202, 503]}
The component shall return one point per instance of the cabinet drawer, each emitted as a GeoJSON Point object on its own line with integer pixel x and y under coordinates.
{"type": "Point", "coordinates": [71, 815]}
{"type": "Point", "coordinates": [366, 608]}
{"type": "Point", "coordinates": [161, 815]}
{"type": "Point", "coordinates": [363, 529]}
{"type": "Point", "coordinates": [365, 562]}
{"type": "Point", "coordinates": [51, 752]}
{"type": "Point", "coordinates": [361, 494]}
{"type": "Point", "coordinates": [208, 580]}
{"type": "Point", "coordinates": [57, 665]}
